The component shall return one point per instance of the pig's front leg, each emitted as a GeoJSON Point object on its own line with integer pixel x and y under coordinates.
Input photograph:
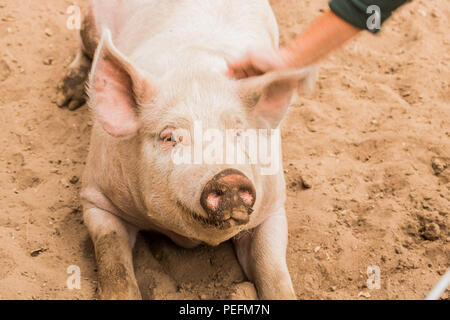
{"type": "Point", "coordinates": [113, 241]}
{"type": "Point", "coordinates": [262, 254]}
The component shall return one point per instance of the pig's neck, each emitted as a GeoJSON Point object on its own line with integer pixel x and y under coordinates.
{"type": "Point", "coordinates": [115, 175]}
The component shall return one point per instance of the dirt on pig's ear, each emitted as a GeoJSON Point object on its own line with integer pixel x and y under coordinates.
{"type": "Point", "coordinates": [267, 97]}
{"type": "Point", "coordinates": [117, 89]}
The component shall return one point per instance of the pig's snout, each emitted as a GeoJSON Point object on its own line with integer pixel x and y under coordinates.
{"type": "Point", "coordinates": [228, 198]}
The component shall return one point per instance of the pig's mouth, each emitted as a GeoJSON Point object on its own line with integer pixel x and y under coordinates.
{"type": "Point", "coordinates": [224, 224]}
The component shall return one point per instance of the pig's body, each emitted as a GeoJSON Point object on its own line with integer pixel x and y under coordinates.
{"type": "Point", "coordinates": [171, 57]}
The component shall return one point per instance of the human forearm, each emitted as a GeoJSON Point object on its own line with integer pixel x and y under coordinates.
{"type": "Point", "coordinates": [325, 34]}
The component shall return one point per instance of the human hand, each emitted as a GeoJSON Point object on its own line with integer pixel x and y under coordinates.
{"type": "Point", "coordinates": [258, 63]}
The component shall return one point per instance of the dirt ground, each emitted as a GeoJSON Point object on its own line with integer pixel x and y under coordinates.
{"type": "Point", "coordinates": [367, 161]}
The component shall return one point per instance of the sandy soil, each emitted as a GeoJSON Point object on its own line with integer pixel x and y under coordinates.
{"type": "Point", "coordinates": [367, 163]}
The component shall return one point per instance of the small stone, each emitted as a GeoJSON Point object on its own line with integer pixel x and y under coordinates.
{"type": "Point", "coordinates": [48, 32]}
{"type": "Point", "coordinates": [74, 180]}
{"type": "Point", "coordinates": [48, 61]}
{"type": "Point", "coordinates": [35, 253]}
{"type": "Point", "coordinates": [439, 165]}
{"type": "Point", "coordinates": [364, 294]}
{"type": "Point", "coordinates": [306, 182]}
{"type": "Point", "coordinates": [431, 232]}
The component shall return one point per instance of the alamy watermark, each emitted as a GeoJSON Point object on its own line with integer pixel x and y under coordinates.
{"type": "Point", "coordinates": [74, 20]}
{"type": "Point", "coordinates": [374, 21]}
{"type": "Point", "coordinates": [260, 147]}
{"type": "Point", "coordinates": [74, 280]}
{"type": "Point", "coordinates": [373, 277]}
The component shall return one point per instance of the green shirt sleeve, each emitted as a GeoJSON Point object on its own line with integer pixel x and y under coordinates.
{"type": "Point", "coordinates": [355, 11]}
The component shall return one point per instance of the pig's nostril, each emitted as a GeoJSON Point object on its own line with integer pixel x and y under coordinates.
{"type": "Point", "coordinates": [213, 200]}
{"type": "Point", "coordinates": [247, 197]}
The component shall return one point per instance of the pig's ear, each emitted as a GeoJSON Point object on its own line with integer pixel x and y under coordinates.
{"type": "Point", "coordinates": [268, 96]}
{"type": "Point", "coordinates": [116, 89]}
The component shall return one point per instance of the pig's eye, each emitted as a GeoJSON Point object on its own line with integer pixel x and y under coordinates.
{"type": "Point", "coordinates": [170, 140]}
{"type": "Point", "coordinates": [168, 137]}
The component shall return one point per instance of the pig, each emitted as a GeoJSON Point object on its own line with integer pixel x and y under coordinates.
{"type": "Point", "coordinates": [154, 68]}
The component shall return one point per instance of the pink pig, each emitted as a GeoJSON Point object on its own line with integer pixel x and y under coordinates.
{"type": "Point", "coordinates": [156, 69]}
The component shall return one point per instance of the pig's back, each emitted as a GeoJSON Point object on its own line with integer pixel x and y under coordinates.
{"type": "Point", "coordinates": [156, 34]}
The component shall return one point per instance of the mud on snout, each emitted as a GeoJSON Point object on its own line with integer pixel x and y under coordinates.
{"type": "Point", "coordinates": [227, 199]}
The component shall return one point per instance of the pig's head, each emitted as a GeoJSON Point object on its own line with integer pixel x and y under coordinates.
{"type": "Point", "coordinates": [193, 115]}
